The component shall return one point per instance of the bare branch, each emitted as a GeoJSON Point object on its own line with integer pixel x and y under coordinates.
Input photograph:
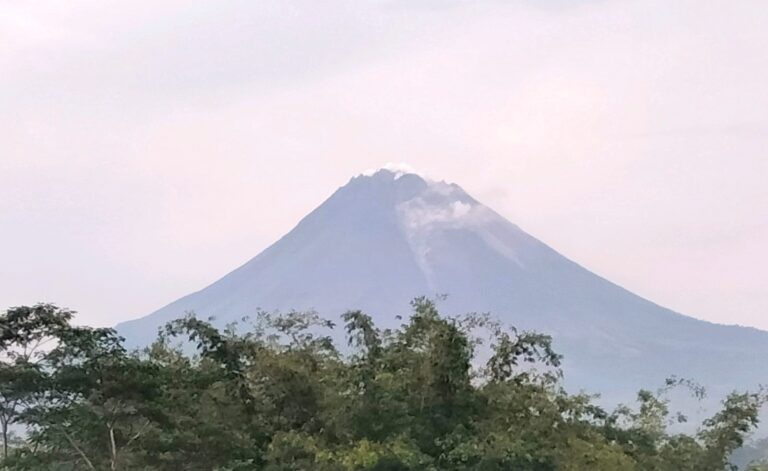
{"type": "Point", "coordinates": [77, 448]}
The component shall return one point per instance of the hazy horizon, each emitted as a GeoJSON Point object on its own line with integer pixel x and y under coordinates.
{"type": "Point", "coordinates": [148, 148]}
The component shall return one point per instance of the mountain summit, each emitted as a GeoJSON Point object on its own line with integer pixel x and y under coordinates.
{"type": "Point", "coordinates": [391, 235]}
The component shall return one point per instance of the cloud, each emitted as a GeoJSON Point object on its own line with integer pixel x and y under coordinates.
{"type": "Point", "coordinates": [399, 169]}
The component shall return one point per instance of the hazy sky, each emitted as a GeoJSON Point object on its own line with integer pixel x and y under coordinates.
{"type": "Point", "coordinates": [149, 147]}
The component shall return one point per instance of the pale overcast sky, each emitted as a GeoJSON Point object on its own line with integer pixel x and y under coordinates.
{"type": "Point", "coordinates": [149, 147]}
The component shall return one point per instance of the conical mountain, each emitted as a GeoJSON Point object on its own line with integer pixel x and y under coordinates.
{"type": "Point", "coordinates": [387, 237]}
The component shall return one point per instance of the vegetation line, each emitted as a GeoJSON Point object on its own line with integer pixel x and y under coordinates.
{"type": "Point", "coordinates": [276, 393]}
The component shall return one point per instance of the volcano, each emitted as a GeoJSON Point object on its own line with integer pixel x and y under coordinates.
{"type": "Point", "coordinates": [389, 236]}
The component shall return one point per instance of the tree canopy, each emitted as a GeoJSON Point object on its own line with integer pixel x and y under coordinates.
{"type": "Point", "coordinates": [437, 393]}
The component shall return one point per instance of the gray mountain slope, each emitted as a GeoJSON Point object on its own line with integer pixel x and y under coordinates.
{"type": "Point", "coordinates": [383, 239]}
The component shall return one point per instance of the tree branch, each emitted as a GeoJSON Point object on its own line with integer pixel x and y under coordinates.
{"type": "Point", "coordinates": [77, 448]}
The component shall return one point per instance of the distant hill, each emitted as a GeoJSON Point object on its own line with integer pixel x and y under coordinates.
{"type": "Point", "coordinates": [387, 237]}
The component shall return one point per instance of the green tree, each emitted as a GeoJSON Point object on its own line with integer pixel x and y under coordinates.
{"type": "Point", "coordinates": [27, 334]}
{"type": "Point", "coordinates": [280, 396]}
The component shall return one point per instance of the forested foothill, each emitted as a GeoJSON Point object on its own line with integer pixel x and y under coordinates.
{"type": "Point", "coordinates": [276, 392]}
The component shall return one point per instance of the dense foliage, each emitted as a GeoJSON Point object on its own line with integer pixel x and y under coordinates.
{"type": "Point", "coordinates": [282, 396]}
